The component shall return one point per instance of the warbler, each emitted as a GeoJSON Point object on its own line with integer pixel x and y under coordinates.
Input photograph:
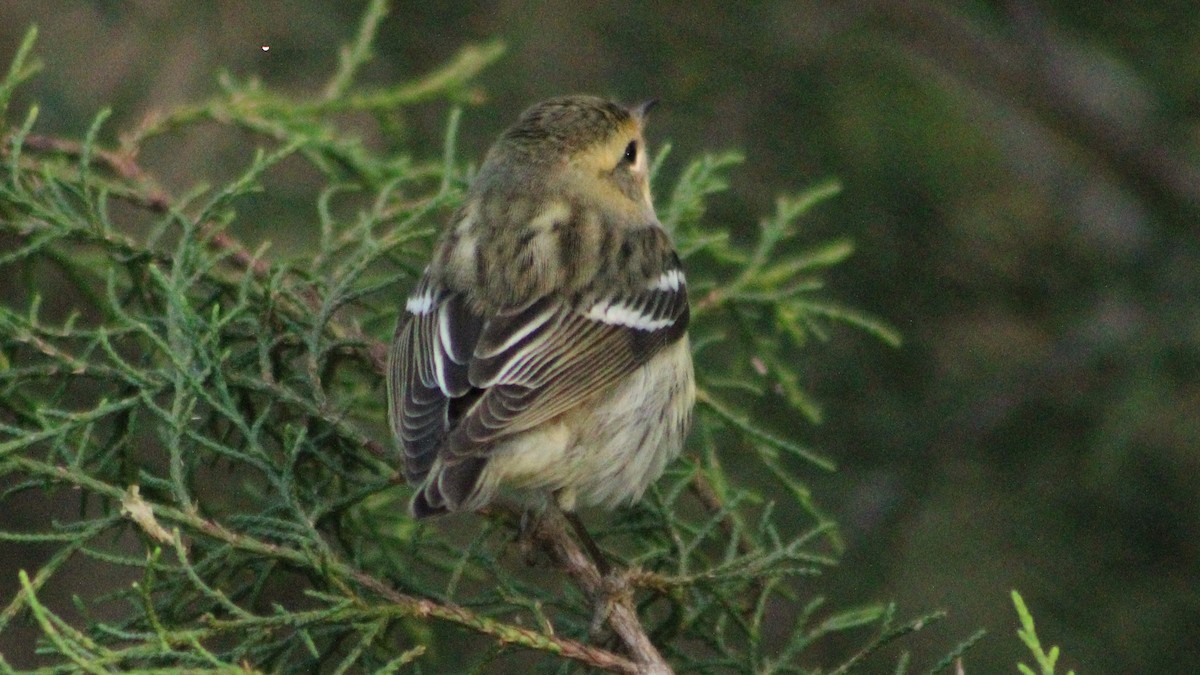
{"type": "Point", "coordinates": [545, 347]}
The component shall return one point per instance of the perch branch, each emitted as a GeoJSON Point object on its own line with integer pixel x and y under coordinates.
{"type": "Point", "coordinates": [612, 593]}
{"type": "Point", "coordinates": [414, 606]}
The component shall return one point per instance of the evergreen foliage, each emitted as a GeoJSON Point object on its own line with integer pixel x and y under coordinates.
{"type": "Point", "coordinates": [204, 420]}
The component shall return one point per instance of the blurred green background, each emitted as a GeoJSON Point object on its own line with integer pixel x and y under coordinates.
{"type": "Point", "coordinates": [1022, 181]}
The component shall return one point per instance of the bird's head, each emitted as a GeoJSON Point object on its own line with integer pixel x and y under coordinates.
{"type": "Point", "coordinates": [584, 145]}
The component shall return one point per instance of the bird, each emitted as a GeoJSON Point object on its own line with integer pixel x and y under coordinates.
{"type": "Point", "coordinates": [543, 352]}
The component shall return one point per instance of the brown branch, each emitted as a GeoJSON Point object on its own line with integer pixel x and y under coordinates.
{"type": "Point", "coordinates": [611, 594]}
{"type": "Point", "coordinates": [123, 164]}
{"type": "Point", "coordinates": [572, 649]}
{"type": "Point", "coordinates": [157, 200]}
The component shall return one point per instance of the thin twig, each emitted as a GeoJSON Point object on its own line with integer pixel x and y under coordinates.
{"type": "Point", "coordinates": [703, 489]}
{"type": "Point", "coordinates": [157, 200]}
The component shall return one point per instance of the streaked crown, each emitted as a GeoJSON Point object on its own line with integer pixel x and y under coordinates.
{"type": "Point", "coordinates": [569, 124]}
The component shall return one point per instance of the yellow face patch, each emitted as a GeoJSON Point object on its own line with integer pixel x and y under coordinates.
{"type": "Point", "coordinates": [607, 155]}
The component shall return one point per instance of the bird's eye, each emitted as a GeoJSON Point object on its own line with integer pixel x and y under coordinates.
{"type": "Point", "coordinates": [631, 152]}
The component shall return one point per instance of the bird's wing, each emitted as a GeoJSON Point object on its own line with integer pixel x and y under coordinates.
{"type": "Point", "coordinates": [538, 361]}
{"type": "Point", "coordinates": [428, 372]}
{"type": "Point", "coordinates": [458, 381]}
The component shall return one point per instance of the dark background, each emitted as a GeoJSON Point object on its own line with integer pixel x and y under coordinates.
{"type": "Point", "coordinates": [1022, 182]}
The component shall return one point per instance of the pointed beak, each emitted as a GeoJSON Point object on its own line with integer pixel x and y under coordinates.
{"type": "Point", "coordinates": [642, 109]}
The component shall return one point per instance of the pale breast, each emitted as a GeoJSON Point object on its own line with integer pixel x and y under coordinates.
{"type": "Point", "coordinates": [609, 452]}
